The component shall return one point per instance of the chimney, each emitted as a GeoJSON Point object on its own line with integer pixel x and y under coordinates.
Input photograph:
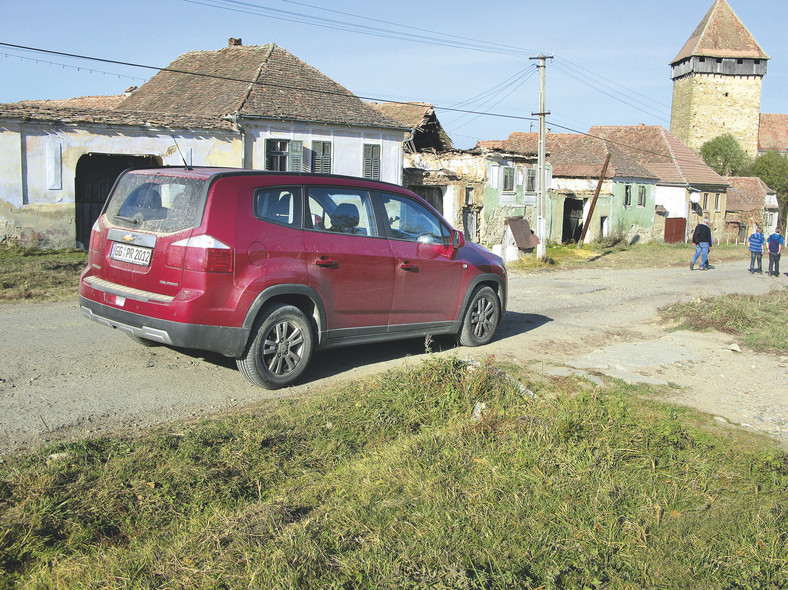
{"type": "Point", "coordinates": [233, 42]}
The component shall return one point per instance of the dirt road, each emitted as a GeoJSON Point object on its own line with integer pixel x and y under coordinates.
{"type": "Point", "coordinates": [62, 376]}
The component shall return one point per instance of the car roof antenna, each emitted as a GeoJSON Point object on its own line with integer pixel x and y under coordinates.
{"type": "Point", "coordinates": [185, 165]}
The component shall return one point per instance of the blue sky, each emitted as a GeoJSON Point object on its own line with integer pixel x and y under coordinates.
{"type": "Point", "coordinates": [610, 63]}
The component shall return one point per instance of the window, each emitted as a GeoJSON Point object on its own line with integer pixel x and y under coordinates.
{"type": "Point", "coordinates": [530, 180]}
{"type": "Point", "coordinates": [372, 161]}
{"type": "Point", "coordinates": [641, 196]}
{"type": "Point", "coordinates": [508, 179]}
{"type": "Point", "coordinates": [627, 195]}
{"type": "Point", "coordinates": [705, 201]}
{"type": "Point", "coordinates": [341, 210]}
{"type": "Point", "coordinates": [321, 157]}
{"type": "Point", "coordinates": [280, 205]}
{"type": "Point", "coordinates": [411, 221]}
{"type": "Point", "coordinates": [284, 155]}
{"type": "Point", "coordinates": [717, 202]}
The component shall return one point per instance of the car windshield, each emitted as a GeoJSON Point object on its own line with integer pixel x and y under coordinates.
{"type": "Point", "coordinates": [162, 204]}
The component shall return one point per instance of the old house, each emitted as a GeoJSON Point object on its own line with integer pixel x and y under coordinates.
{"type": "Point", "coordinates": [241, 106]}
{"type": "Point", "coordinates": [686, 188]}
{"type": "Point", "coordinates": [750, 202]}
{"type": "Point", "coordinates": [625, 203]}
{"type": "Point", "coordinates": [476, 189]}
{"type": "Point", "coordinates": [773, 134]}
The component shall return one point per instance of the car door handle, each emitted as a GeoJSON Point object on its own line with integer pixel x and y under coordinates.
{"type": "Point", "coordinates": [326, 262]}
{"type": "Point", "coordinates": [409, 266]}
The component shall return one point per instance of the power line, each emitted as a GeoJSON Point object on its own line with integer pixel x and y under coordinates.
{"type": "Point", "coordinates": [328, 92]}
{"type": "Point", "coordinates": [302, 18]}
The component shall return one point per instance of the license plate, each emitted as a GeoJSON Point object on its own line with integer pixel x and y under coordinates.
{"type": "Point", "coordinates": [132, 254]}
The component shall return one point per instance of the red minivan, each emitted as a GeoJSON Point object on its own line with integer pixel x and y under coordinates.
{"type": "Point", "coordinates": [266, 267]}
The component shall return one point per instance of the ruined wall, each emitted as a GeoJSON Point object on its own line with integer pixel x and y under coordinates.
{"type": "Point", "coordinates": [706, 106]}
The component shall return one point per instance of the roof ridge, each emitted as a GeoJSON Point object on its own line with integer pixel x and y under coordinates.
{"type": "Point", "coordinates": [255, 80]}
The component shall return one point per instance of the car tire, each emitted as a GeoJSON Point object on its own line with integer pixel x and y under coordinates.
{"type": "Point", "coordinates": [481, 318]}
{"type": "Point", "coordinates": [280, 347]}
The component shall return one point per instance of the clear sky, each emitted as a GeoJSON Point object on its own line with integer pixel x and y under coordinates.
{"type": "Point", "coordinates": [610, 66]}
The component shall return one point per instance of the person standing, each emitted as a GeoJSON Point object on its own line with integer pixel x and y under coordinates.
{"type": "Point", "coordinates": [775, 243]}
{"type": "Point", "coordinates": [701, 237]}
{"type": "Point", "coordinates": [756, 243]}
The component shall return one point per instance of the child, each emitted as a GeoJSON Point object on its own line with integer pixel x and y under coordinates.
{"type": "Point", "coordinates": [775, 243]}
{"type": "Point", "coordinates": [756, 244]}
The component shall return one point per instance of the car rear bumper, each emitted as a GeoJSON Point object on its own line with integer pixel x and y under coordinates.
{"type": "Point", "coordinates": [222, 339]}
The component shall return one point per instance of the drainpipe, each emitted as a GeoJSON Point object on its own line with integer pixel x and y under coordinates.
{"type": "Point", "coordinates": [235, 120]}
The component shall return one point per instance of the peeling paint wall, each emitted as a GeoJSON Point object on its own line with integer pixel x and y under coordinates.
{"type": "Point", "coordinates": [38, 164]}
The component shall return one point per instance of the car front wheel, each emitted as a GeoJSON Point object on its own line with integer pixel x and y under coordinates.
{"type": "Point", "coordinates": [280, 349]}
{"type": "Point", "coordinates": [481, 318]}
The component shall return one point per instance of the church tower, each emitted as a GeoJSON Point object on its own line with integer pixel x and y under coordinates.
{"type": "Point", "coordinates": [717, 79]}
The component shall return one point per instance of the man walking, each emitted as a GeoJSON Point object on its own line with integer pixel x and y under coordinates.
{"type": "Point", "coordinates": [775, 242]}
{"type": "Point", "coordinates": [701, 237]}
{"type": "Point", "coordinates": [756, 243]}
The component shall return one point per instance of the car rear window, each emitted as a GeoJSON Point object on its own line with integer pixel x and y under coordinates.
{"type": "Point", "coordinates": [162, 204]}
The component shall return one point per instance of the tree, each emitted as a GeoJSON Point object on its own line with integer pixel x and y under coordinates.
{"type": "Point", "coordinates": [725, 156]}
{"type": "Point", "coordinates": [772, 168]}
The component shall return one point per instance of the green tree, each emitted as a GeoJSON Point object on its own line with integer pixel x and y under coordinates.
{"type": "Point", "coordinates": [725, 156]}
{"type": "Point", "coordinates": [772, 168]}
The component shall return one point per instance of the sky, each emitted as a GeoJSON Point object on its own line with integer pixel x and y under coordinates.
{"type": "Point", "coordinates": [471, 59]}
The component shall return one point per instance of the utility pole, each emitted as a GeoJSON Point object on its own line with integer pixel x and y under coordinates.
{"type": "Point", "coordinates": [541, 181]}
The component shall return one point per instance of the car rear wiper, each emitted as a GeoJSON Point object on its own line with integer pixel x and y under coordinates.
{"type": "Point", "coordinates": [135, 220]}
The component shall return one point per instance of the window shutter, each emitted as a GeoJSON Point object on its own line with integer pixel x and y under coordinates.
{"type": "Point", "coordinates": [372, 161]}
{"type": "Point", "coordinates": [295, 160]}
{"type": "Point", "coordinates": [322, 152]}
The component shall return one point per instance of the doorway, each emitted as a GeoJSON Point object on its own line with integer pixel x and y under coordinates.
{"type": "Point", "coordinates": [573, 220]}
{"type": "Point", "coordinates": [95, 175]}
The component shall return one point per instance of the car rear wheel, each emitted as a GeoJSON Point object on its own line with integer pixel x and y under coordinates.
{"type": "Point", "coordinates": [280, 349]}
{"type": "Point", "coordinates": [481, 318]}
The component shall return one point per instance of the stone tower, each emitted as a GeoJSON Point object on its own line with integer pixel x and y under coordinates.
{"type": "Point", "coordinates": [717, 79]}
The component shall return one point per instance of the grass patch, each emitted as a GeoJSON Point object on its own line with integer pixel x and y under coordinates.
{"type": "Point", "coordinates": [39, 275]}
{"type": "Point", "coordinates": [390, 483]}
{"type": "Point", "coordinates": [758, 321]}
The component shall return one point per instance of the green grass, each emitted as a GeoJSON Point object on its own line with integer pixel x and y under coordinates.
{"type": "Point", "coordinates": [759, 321]}
{"type": "Point", "coordinates": [390, 483]}
{"type": "Point", "coordinates": [39, 275]}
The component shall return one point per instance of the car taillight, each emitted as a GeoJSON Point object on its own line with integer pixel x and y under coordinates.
{"type": "Point", "coordinates": [95, 237]}
{"type": "Point", "coordinates": [202, 253]}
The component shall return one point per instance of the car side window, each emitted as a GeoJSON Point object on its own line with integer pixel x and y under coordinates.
{"type": "Point", "coordinates": [280, 205]}
{"type": "Point", "coordinates": [341, 210]}
{"type": "Point", "coordinates": [412, 221]}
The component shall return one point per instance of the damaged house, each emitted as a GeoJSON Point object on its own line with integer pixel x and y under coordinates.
{"type": "Point", "coordinates": [241, 106]}
{"type": "Point", "coordinates": [625, 203]}
{"type": "Point", "coordinates": [476, 189]}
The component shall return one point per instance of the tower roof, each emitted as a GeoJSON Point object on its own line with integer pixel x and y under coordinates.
{"type": "Point", "coordinates": [721, 34]}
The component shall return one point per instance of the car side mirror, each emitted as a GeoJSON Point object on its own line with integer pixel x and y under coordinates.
{"type": "Point", "coordinates": [457, 239]}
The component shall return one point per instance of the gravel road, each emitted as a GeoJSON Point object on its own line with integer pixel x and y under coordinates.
{"type": "Point", "coordinates": [62, 376]}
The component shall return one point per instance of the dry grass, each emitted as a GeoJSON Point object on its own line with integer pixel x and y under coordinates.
{"type": "Point", "coordinates": [390, 483]}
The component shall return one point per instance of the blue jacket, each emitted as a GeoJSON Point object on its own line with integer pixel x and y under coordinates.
{"type": "Point", "coordinates": [775, 241]}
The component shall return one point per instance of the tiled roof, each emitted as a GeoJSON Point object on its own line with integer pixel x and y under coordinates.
{"type": "Point", "coordinates": [662, 153]}
{"type": "Point", "coordinates": [573, 155]}
{"type": "Point", "coordinates": [747, 193]}
{"type": "Point", "coordinates": [773, 132]}
{"type": "Point", "coordinates": [71, 116]}
{"type": "Point", "coordinates": [419, 117]}
{"type": "Point", "coordinates": [254, 81]}
{"type": "Point", "coordinates": [721, 34]}
{"type": "Point", "coordinates": [81, 102]}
